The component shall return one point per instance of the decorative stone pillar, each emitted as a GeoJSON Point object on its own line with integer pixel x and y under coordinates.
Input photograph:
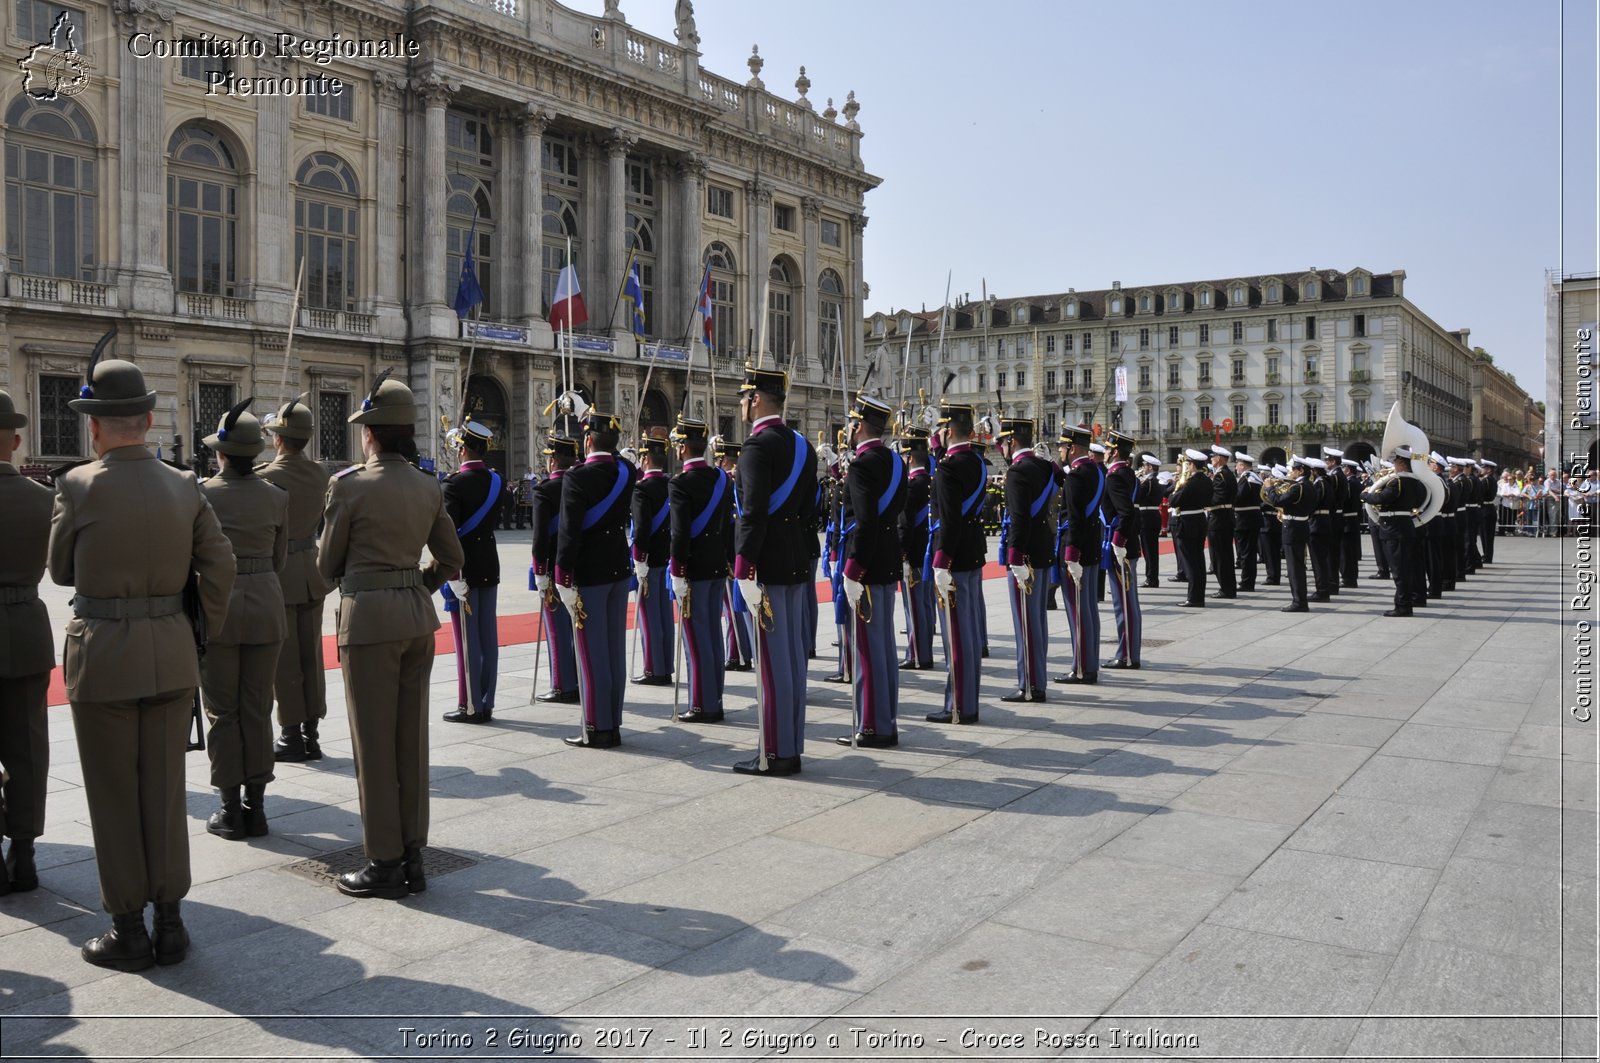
{"type": "Point", "coordinates": [382, 199]}
{"type": "Point", "coordinates": [435, 92]}
{"type": "Point", "coordinates": [532, 123]}
{"type": "Point", "coordinates": [273, 234]}
{"type": "Point", "coordinates": [852, 338]}
{"type": "Point", "coordinates": [691, 189]}
{"type": "Point", "coordinates": [146, 281]}
{"type": "Point", "coordinates": [760, 203]}
{"type": "Point", "coordinates": [810, 330]}
{"type": "Point", "coordinates": [617, 146]}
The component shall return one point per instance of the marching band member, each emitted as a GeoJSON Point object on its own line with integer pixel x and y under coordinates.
{"type": "Point", "coordinates": [1247, 519]}
{"type": "Point", "coordinates": [1147, 497]}
{"type": "Point", "coordinates": [1220, 521]}
{"type": "Point", "coordinates": [1398, 498]}
{"type": "Point", "coordinates": [1292, 497]}
{"type": "Point", "coordinates": [1191, 493]}
{"type": "Point", "coordinates": [1336, 494]}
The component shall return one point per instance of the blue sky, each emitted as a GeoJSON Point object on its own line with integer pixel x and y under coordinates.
{"type": "Point", "coordinates": [1047, 145]}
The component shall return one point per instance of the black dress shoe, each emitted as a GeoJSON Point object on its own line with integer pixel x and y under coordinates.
{"type": "Point", "coordinates": [1320, 598]}
{"type": "Point", "coordinates": [870, 741]}
{"type": "Point", "coordinates": [380, 878]}
{"type": "Point", "coordinates": [1302, 608]}
{"type": "Point", "coordinates": [559, 697]}
{"type": "Point", "coordinates": [1235, 594]}
{"type": "Point", "coordinates": [649, 680]}
{"type": "Point", "coordinates": [1397, 612]}
{"type": "Point", "coordinates": [1121, 664]}
{"type": "Point", "coordinates": [1349, 585]}
{"type": "Point", "coordinates": [985, 653]}
{"type": "Point", "coordinates": [596, 739]}
{"type": "Point", "coordinates": [19, 868]}
{"type": "Point", "coordinates": [416, 875]}
{"type": "Point", "coordinates": [1434, 596]}
{"type": "Point", "coordinates": [1191, 605]}
{"type": "Point", "coordinates": [837, 677]}
{"type": "Point", "coordinates": [170, 942]}
{"type": "Point", "coordinates": [699, 716]}
{"type": "Point", "coordinates": [735, 666]}
{"type": "Point", "coordinates": [774, 766]}
{"type": "Point", "coordinates": [938, 717]}
{"type": "Point", "coordinates": [465, 715]}
{"type": "Point", "coordinates": [1086, 679]}
{"type": "Point", "coordinates": [1017, 695]}
{"type": "Point", "coordinates": [125, 947]}
{"type": "Point", "coordinates": [1270, 583]}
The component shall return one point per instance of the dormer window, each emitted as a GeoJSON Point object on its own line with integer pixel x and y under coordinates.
{"type": "Point", "coordinates": [1274, 293]}
{"type": "Point", "coordinates": [1116, 305]}
{"type": "Point", "coordinates": [877, 326]}
{"type": "Point", "coordinates": [1174, 300]}
{"type": "Point", "coordinates": [1236, 295]}
{"type": "Point", "coordinates": [1144, 304]}
{"type": "Point", "coordinates": [1203, 297]}
{"type": "Point", "coordinates": [1308, 290]}
{"type": "Point", "coordinates": [1358, 284]}
{"type": "Point", "coordinates": [905, 322]}
{"type": "Point", "coordinates": [1072, 309]}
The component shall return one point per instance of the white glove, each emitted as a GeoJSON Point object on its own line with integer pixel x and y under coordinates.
{"type": "Point", "coordinates": [458, 587]}
{"type": "Point", "coordinates": [569, 598]}
{"type": "Point", "coordinates": [852, 591]}
{"type": "Point", "coordinates": [641, 569]}
{"type": "Point", "coordinates": [1023, 575]}
{"type": "Point", "coordinates": [1075, 571]}
{"type": "Point", "coordinates": [1120, 553]}
{"type": "Point", "coordinates": [750, 591]}
{"type": "Point", "coordinates": [945, 580]}
{"type": "Point", "coordinates": [542, 583]}
{"type": "Point", "coordinates": [680, 589]}
{"type": "Point", "coordinates": [908, 574]}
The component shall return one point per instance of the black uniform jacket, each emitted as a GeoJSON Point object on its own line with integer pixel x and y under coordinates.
{"type": "Point", "coordinates": [1121, 486]}
{"type": "Point", "coordinates": [959, 543]}
{"type": "Point", "coordinates": [649, 505]}
{"type": "Point", "coordinates": [915, 517]}
{"type": "Point", "coordinates": [464, 493]}
{"type": "Point", "coordinates": [1030, 481]}
{"type": "Point", "coordinates": [704, 556]}
{"type": "Point", "coordinates": [592, 545]}
{"type": "Point", "coordinates": [877, 498]}
{"type": "Point", "coordinates": [1085, 532]}
{"type": "Point", "coordinates": [773, 544]}
{"type": "Point", "coordinates": [1247, 497]}
{"type": "Point", "coordinates": [1395, 502]}
{"type": "Point", "coordinates": [546, 522]}
{"type": "Point", "coordinates": [1191, 501]}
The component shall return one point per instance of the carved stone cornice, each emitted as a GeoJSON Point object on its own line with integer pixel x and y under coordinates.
{"type": "Point", "coordinates": [619, 142]}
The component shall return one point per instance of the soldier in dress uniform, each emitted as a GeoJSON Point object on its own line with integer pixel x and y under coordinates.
{"type": "Point", "coordinates": [241, 656]}
{"type": "Point", "coordinates": [27, 655]}
{"type": "Point", "coordinates": [1458, 493]}
{"type": "Point", "coordinates": [561, 454]}
{"type": "Point", "coordinates": [591, 576]}
{"type": "Point", "coordinates": [1323, 579]}
{"type": "Point", "coordinates": [1271, 538]}
{"type": "Point", "coordinates": [299, 684]}
{"type": "Point", "coordinates": [1488, 499]}
{"type": "Point", "coordinates": [1290, 495]}
{"type": "Point", "coordinates": [1398, 498]}
{"type": "Point", "coordinates": [1189, 500]}
{"type": "Point", "coordinates": [1350, 537]}
{"type": "Point", "coordinates": [1030, 484]}
{"type": "Point", "coordinates": [1477, 515]}
{"type": "Point", "coordinates": [1220, 521]}
{"type": "Point", "coordinates": [777, 493]}
{"type": "Point", "coordinates": [652, 541]}
{"type": "Point", "coordinates": [1121, 514]}
{"type": "Point", "coordinates": [959, 545]}
{"type": "Point", "coordinates": [740, 649]}
{"type": "Point", "coordinates": [475, 496]}
{"type": "Point", "coordinates": [840, 516]}
{"type": "Point", "coordinates": [1083, 488]}
{"type": "Point", "coordinates": [1336, 496]}
{"type": "Point", "coordinates": [981, 449]}
{"type": "Point", "coordinates": [1247, 518]}
{"type": "Point", "coordinates": [916, 572]}
{"type": "Point", "coordinates": [1147, 497]}
{"type": "Point", "coordinates": [876, 484]}
{"type": "Point", "coordinates": [1436, 540]}
{"type": "Point", "coordinates": [701, 500]}
{"type": "Point", "coordinates": [127, 531]}
{"type": "Point", "coordinates": [379, 516]}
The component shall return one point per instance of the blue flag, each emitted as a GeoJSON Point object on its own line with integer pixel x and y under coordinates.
{"type": "Point", "coordinates": [468, 292]}
{"type": "Point", "coordinates": [633, 294]}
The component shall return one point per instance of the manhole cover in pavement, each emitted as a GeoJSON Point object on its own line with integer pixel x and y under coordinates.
{"type": "Point", "coordinates": [326, 868]}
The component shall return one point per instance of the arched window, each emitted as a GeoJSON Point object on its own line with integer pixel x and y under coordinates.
{"type": "Point", "coordinates": [469, 201]}
{"type": "Point", "coordinates": [724, 304]}
{"type": "Point", "coordinates": [1308, 290]}
{"type": "Point", "coordinates": [326, 230]}
{"type": "Point", "coordinates": [202, 211]}
{"type": "Point", "coordinates": [830, 316]}
{"type": "Point", "coordinates": [559, 223]}
{"type": "Point", "coordinates": [50, 189]}
{"type": "Point", "coordinates": [780, 310]}
{"type": "Point", "coordinates": [640, 232]}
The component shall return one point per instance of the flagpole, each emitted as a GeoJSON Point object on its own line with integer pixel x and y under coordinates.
{"type": "Point", "coordinates": [288, 344]}
{"type": "Point", "coordinates": [761, 348]}
{"type": "Point", "coordinates": [472, 349]}
{"type": "Point", "coordinates": [626, 269]}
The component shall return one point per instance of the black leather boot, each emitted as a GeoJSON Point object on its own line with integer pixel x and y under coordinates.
{"type": "Point", "coordinates": [228, 821]}
{"type": "Point", "coordinates": [255, 809]}
{"type": "Point", "coordinates": [380, 878]}
{"type": "Point", "coordinates": [125, 947]}
{"type": "Point", "coordinates": [416, 880]}
{"type": "Point", "coordinates": [171, 939]}
{"type": "Point", "coordinates": [19, 866]}
{"type": "Point", "coordinates": [309, 731]}
{"type": "Point", "coordinates": [290, 748]}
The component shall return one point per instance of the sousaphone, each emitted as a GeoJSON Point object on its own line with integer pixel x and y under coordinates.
{"type": "Point", "coordinates": [1397, 432]}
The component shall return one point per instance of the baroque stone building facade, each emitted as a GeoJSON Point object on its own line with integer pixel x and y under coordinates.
{"type": "Point", "coordinates": [1292, 360]}
{"type": "Point", "coordinates": [189, 181]}
{"type": "Point", "coordinates": [1572, 318]}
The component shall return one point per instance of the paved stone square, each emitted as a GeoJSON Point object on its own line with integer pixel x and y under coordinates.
{"type": "Point", "coordinates": [1322, 835]}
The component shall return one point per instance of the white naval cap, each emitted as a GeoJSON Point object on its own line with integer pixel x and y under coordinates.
{"type": "Point", "coordinates": [1402, 452]}
{"type": "Point", "coordinates": [1297, 460]}
{"type": "Point", "coordinates": [1195, 455]}
{"type": "Point", "coordinates": [1330, 452]}
{"type": "Point", "coordinates": [1218, 448]}
{"type": "Point", "coordinates": [1488, 464]}
{"type": "Point", "coordinates": [1280, 471]}
{"type": "Point", "coordinates": [1316, 463]}
{"type": "Point", "coordinates": [1240, 455]}
{"type": "Point", "coordinates": [1151, 459]}
{"type": "Point", "coordinates": [1096, 448]}
{"type": "Point", "coordinates": [1437, 458]}
{"type": "Point", "coordinates": [1354, 464]}
{"type": "Point", "coordinates": [1386, 464]}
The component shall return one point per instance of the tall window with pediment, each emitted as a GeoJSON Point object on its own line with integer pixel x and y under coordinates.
{"type": "Point", "coordinates": [780, 310]}
{"type": "Point", "coordinates": [640, 234]}
{"type": "Point", "coordinates": [202, 212]}
{"type": "Point", "coordinates": [724, 301]}
{"type": "Point", "coordinates": [830, 315]}
{"type": "Point", "coordinates": [469, 201]}
{"type": "Point", "coordinates": [326, 231]}
{"type": "Point", "coordinates": [559, 223]}
{"type": "Point", "coordinates": [51, 189]}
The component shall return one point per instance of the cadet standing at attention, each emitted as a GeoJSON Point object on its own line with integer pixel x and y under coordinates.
{"type": "Point", "coordinates": [701, 497]}
{"type": "Point", "coordinates": [241, 656]}
{"type": "Point", "coordinates": [915, 573]}
{"type": "Point", "coordinates": [1122, 519]}
{"type": "Point", "coordinates": [1083, 487]}
{"type": "Point", "coordinates": [652, 542]}
{"type": "Point", "coordinates": [1030, 484]}
{"type": "Point", "coordinates": [127, 532]}
{"type": "Point", "coordinates": [379, 517]}
{"type": "Point", "coordinates": [959, 545]}
{"type": "Point", "coordinates": [27, 655]}
{"type": "Point", "coordinates": [561, 453]}
{"type": "Point", "coordinates": [302, 699]}
{"type": "Point", "coordinates": [475, 496]}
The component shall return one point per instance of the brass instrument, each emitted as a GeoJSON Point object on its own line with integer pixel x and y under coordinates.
{"type": "Point", "coordinates": [1396, 432]}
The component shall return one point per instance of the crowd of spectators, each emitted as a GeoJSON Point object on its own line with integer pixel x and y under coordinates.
{"type": "Point", "coordinates": [1550, 504]}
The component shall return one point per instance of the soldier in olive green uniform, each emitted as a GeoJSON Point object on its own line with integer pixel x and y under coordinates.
{"type": "Point", "coordinates": [126, 533]}
{"type": "Point", "coordinates": [242, 652]}
{"type": "Point", "coordinates": [378, 518]}
{"type": "Point", "coordinates": [302, 702]}
{"type": "Point", "coordinates": [26, 657]}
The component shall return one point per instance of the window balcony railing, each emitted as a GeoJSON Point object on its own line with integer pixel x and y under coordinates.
{"type": "Point", "coordinates": [1358, 376]}
{"type": "Point", "coordinates": [215, 306]}
{"type": "Point", "coordinates": [1312, 376]}
{"type": "Point", "coordinates": [60, 290]}
{"type": "Point", "coordinates": [336, 321]}
{"type": "Point", "coordinates": [1274, 378]}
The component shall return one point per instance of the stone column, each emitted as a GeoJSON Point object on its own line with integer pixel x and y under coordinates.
{"type": "Point", "coordinates": [145, 281]}
{"type": "Point", "coordinates": [810, 318]}
{"type": "Point", "coordinates": [760, 213]}
{"type": "Point", "coordinates": [381, 202]}
{"type": "Point", "coordinates": [852, 338]}
{"type": "Point", "coordinates": [616, 254]}
{"type": "Point", "coordinates": [532, 123]}
{"type": "Point", "coordinates": [691, 189]}
{"type": "Point", "coordinates": [273, 230]}
{"type": "Point", "coordinates": [435, 93]}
